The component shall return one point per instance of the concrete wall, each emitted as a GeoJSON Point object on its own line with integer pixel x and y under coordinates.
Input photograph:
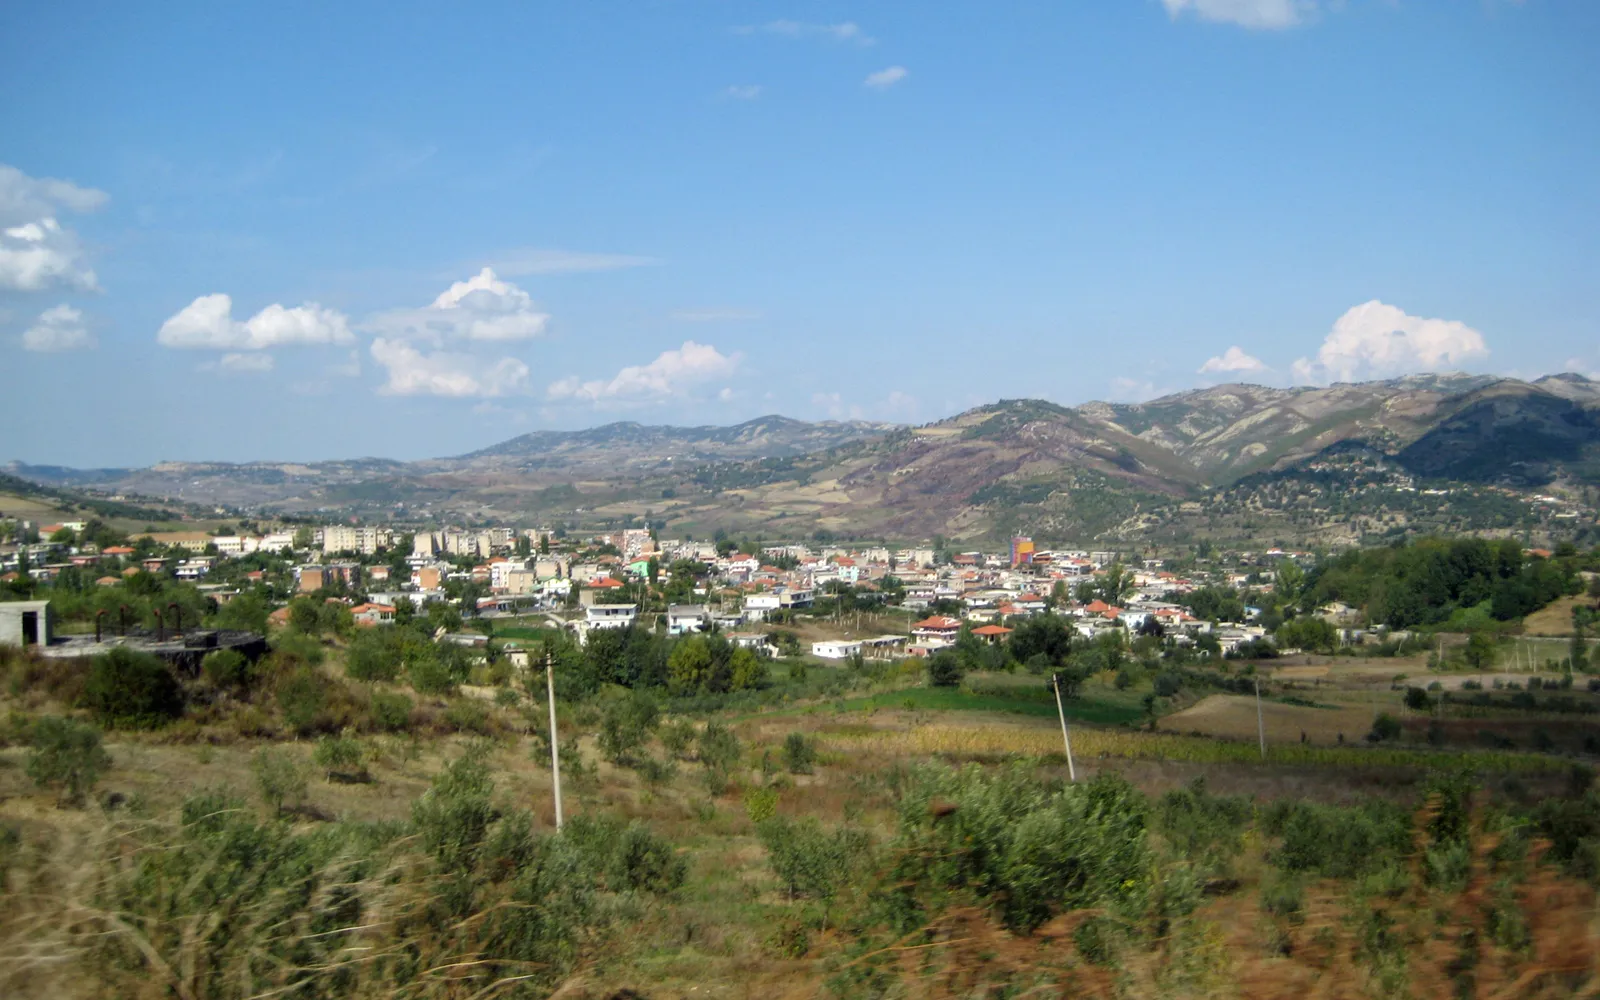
{"type": "Point", "coordinates": [11, 621]}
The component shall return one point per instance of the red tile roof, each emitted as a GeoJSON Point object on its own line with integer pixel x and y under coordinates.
{"type": "Point", "coordinates": [988, 630]}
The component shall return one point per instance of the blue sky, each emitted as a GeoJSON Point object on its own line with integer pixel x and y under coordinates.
{"type": "Point", "coordinates": [260, 231]}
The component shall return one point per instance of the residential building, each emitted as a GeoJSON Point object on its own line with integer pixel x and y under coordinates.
{"type": "Point", "coordinates": [685, 618]}
{"type": "Point", "coordinates": [373, 614]}
{"type": "Point", "coordinates": [610, 615]}
{"type": "Point", "coordinates": [835, 649]}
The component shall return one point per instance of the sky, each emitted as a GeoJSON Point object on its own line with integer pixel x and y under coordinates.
{"type": "Point", "coordinates": [303, 231]}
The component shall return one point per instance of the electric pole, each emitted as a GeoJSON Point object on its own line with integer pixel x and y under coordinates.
{"type": "Point", "coordinates": [1261, 725]}
{"type": "Point", "coordinates": [555, 743]}
{"type": "Point", "coordinates": [1072, 772]}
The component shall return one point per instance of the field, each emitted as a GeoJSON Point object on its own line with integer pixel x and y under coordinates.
{"type": "Point", "coordinates": [784, 865]}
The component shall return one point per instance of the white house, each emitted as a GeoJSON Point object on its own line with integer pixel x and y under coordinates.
{"type": "Point", "coordinates": [610, 615]}
{"type": "Point", "coordinates": [835, 649]}
{"type": "Point", "coordinates": [685, 618]}
{"type": "Point", "coordinates": [758, 606]}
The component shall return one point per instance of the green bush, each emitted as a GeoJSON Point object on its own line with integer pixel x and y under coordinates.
{"type": "Point", "coordinates": [720, 752]}
{"type": "Point", "coordinates": [468, 715]}
{"type": "Point", "coordinates": [677, 738]}
{"type": "Point", "coordinates": [430, 673]}
{"type": "Point", "coordinates": [1336, 841]}
{"type": "Point", "coordinates": [341, 756]}
{"type": "Point", "coordinates": [1384, 727]}
{"type": "Point", "coordinates": [66, 755]}
{"type": "Point", "coordinates": [374, 655]}
{"type": "Point", "coordinates": [302, 696]}
{"type": "Point", "coordinates": [133, 690]}
{"type": "Point", "coordinates": [453, 816]}
{"type": "Point", "coordinates": [390, 711]}
{"type": "Point", "coordinates": [227, 668]}
{"type": "Point", "coordinates": [627, 856]}
{"type": "Point", "coordinates": [1034, 847]}
{"type": "Point", "coordinates": [280, 778]}
{"type": "Point", "coordinates": [944, 669]}
{"type": "Point", "coordinates": [1199, 825]}
{"type": "Point", "coordinates": [808, 860]}
{"type": "Point", "coordinates": [627, 726]}
{"type": "Point", "coordinates": [799, 755]}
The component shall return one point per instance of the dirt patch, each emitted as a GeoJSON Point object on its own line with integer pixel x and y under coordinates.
{"type": "Point", "coordinates": [1233, 717]}
{"type": "Point", "coordinates": [1554, 618]}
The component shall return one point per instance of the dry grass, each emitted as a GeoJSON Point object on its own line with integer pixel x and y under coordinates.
{"type": "Point", "coordinates": [1233, 717]}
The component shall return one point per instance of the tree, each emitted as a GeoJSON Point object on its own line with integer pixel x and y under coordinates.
{"type": "Point", "coordinates": [1480, 651]}
{"type": "Point", "coordinates": [280, 777]}
{"type": "Point", "coordinates": [227, 669]}
{"type": "Point", "coordinates": [1115, 584]}
{"type": "Point", "coordinates": [544, 544]}
{"type": "Point", "coordinates": [749, 670]}
{"type": "Point", "coordinates": [689, 666]}
{"type": "Point", "coordinates": [128, 688]}
{"type": "Point", "coordinates": [66, 755]}
{"type": "Point", "coordinates": [626, 726]}
{"type": "Point", "coordinates": [304, 538]}
{"type": "Point", "coordinates": [1307, 632]}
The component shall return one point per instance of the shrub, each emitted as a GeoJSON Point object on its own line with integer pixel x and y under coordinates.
{"type": "Point", "coordinates": [374, 655]}
{"type": "Point", "coordinates": [808, 860]}
{"type": "Point", "coordinates": [227, 668]}
{"type": "Point", "coordinates": [131, 689]}
{"type": "Point", "coordinates": [1338, 842]}
{"type": "Point", "coordinates": [429, 673]}
{"type": "Point", "coordinates": [303, 699]}
{"type": "Point", "coordinates": [626, 726]}
{"type": "Point", "coordinates": [944, 669]}
{"type": "Point", "coordinates": [628, 857]}
{"type": "Point", "coordinates": [1417, 699]}
{"type": "Point", "coordinates": [390, 711]}
{"type": "Point", "coordinates": [507, 697]}
{"type": "Point", "coordinates": [719, 752]}
{"type": "Point", "coordinates": [468, 715]}
{"type": "Point", "coordinates": [453, 816]}
{"type": "Point", "coordinates": [1035, 847]}
{"type": "Point", "coordinates": [280, 778]}
{"type": "Point", "coordinates": [341, 756]}
{"type": "Point", "coordinates": [1384, 727]}
{"type": "Point", "coordinates": [799, 755]}
{"type": "Point", "coordinates": [1168, 683]}
{"type": "Point", "coordinates": [66, 755]}
{"type": "Point", "coordinates": [677, 738]}
{"type": "Point", "coordinates": [1199, 825]}
{"type": "Point", "coordinates": [761, 804]}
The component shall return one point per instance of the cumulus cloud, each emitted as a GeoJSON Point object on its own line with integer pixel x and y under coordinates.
{"type": "Point", "coordinates": [207, 323]}
{"type": "Point", "coordinates": [414, 373]}
{"type": "Point", "coordinates": [239, 364]}
{"type": "Point", "coordinates": [1233, 360]}
{"type": "Point", "coordinates": [744, 91]}
{"type": "Point", "coordinates": [483, 308]}
{"type": "Point", "coordinates": [843, 31]}
{"type": "Point", "coordinates": [1263, 14]}
{"type": "Point", "coordinates": [883, 79]}
{"type": "Point", "coordinates": [59, 328]}
{"type": "Point", "coordinates": [36, 251]}
{"type": "Point", "coordinates": [1375, 340]}
{"type": "Point", "coordinates": [672, 374]}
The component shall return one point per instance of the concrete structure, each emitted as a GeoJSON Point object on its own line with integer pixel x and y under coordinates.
{"type": "Point", "coordinates": [835, 649]}
{"type": "Point", "coordinates": [25, 623]}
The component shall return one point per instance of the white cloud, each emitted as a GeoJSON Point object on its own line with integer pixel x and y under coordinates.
{"type": "Point", "coordinates": [1375, 340]}
{"type": "Point", "coordinates": [59, 328]}
{"type": "Point", "coordinates": [532, 260]}
{"type": "Point", "coordinates": [208, 323]}
{"type": "Point", "coordinates": [350, 369]}
{"type": "Point", "coordinates": [744, 91]}
{"type": "Point", "coordinates": [843, 31]}
{"type": "Point", "coordinates": [1132, 390]}
{"type": "Point", "coordinates": [1233, 360]}
{"type": "Point", "coordinates": [413, 373]}
{"type": "Point", "coordinates": [672, 374]}
{"type": "Point", "coordinates": [239, 364]}
{"type": "Point", "coordinates": [36, 251]}
{"type": "Point", "coordinates": [715, 315]}
{"type": "Point", "coordinates": [482, 308]}
{"type": "Point", "coordinates": [896, 406]}
{"type": "Point", "coordinates": [1268, 14]}
{"type": "Point", "coordinates": [883, 79]}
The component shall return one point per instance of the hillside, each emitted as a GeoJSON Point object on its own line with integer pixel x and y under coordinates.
{"type": "Point", "coordinates": [1263, 459]}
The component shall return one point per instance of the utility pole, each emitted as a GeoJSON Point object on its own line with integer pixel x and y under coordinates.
{"type": "Point", "coordinates": [1072, 772]}
{"type": "Point", "coordinates": [555, 742]}
{"type": "Point", "coordinates": [1261, 725]}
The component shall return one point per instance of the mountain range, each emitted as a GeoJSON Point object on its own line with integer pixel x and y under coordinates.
{"type": "Point", "coordinates": [1009, 465]}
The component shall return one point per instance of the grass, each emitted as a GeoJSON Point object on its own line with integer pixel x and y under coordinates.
{"type": "Point", "coordinates": [1039, 703]}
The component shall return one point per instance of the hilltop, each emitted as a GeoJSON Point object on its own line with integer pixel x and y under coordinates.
{"type": "Point", "coordinates": [1024, 464]}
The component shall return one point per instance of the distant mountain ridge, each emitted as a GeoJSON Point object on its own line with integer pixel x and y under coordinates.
{"type": "Point", "coordinates": [983, 470]}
